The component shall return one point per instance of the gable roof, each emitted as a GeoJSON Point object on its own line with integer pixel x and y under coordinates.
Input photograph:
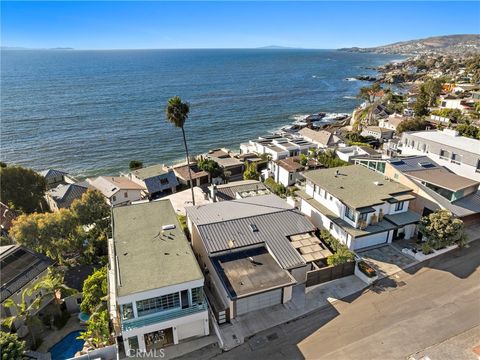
{"type": "Point", "coordinates": [182, 172]}
{"type": "Point", "coordinates": [356, 186]}
{"type": "Point", "coordinates": [110, 185]}
{"type": "Point", "coordinates": [395, 119]}
{"type": "Point", "coordinates": [443, 178]}
{"type": "Point", "coordinates": [65, 194]}
{"type": "Point", "coordinates": [52, 173]}
{"type": "Point", "coordinates": [322, 137]}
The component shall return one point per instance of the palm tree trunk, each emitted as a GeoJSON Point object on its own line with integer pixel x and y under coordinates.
{"type": "Point", "coordinates": [188, 164]}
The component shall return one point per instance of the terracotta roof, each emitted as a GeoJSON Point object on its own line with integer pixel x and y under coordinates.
{"type": "Point", "coordinates": [182, 172]}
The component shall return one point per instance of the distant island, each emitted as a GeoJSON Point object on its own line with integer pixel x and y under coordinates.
{"type": "Point", "coordinates": [448, 44]}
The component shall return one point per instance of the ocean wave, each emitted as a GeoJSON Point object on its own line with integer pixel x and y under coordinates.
{"type": "Point", "coordinates": [351, 79]}
{"type": "Point", "coordinates": [349, 97]}
{"type": "Point", "coordinates": [298, 117]}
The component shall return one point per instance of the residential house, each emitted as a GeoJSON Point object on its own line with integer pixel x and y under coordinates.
{"type": "Point", "coordinates": [53, 178]}
{"type": "Point", "coordinates": [391, 122]}
{"type": "Point", "coordinates": [74, 278]}
{"type": "Point", "coordinates": [390, 147]}
{"type": "Point", "coordinates": [378, 132]}
{"type": "Point", "coordinates": [246, 250]}
{"type": "Point", "coordinates": [278, 146]}
{"type": "Point", "coordinates": [117, 190]}
{"type": "Point", "coordinates": [447, 148]}
{"type": "Point", "coordinates": [288, 171]}
{"type": "Point", "coordinates": [62, 196]}
{"type": "Point", "coordinates": [21, 269]}
{"type": "Point", "coordinates": [155, 180]}
{"type": "Point", "coordinates": [357, 206]}
{"type": "Point", "coordinates": [350, 153]}
{"type": "Point", "coordinates": [232, 167]}
{"type": "Point", "coordinates": [199, 177]}
{"type": "Point", "coordinates": [435, 186]}
{"type": "Point", "coordinates": [7, 216]}
{"type": "Point", "coordinates": [322, 138]}
{"type": "Point", "coordinates": [237, 190]}
{"type": "Point", "coordinates": [156, 286]}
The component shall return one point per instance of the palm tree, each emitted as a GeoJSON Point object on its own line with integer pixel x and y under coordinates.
{"type": "Point", "coordinates": [176, 113]}
{"type": "Point", "coordinates": [52, 287]}
{"type": "Point", "coordinates": [25, 312]}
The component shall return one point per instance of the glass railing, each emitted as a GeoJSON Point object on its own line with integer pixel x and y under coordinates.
{"type": "Point", "coordinates": [162, 316]}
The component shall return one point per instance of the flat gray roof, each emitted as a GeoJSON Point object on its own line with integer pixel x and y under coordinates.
{"type": "Point", "coordinates": [249, 272]}
{"type": "Point", "coordinates": [149, 257]}
{"type": "Point", "coordinates": [149, 172]}
{"type": "Point", "coordinates": [356, 185]}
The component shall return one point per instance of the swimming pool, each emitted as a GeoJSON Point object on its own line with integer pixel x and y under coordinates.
{"type": "Point", "coordinates": [67, 347]}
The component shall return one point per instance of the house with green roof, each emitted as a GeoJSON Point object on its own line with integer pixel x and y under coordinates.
{"type": "Point", "coordinates": [357, 206]}
{"type": "Point", "coordinates": [156, 293]}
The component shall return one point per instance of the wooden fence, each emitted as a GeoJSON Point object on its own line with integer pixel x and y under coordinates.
{"type": "Point", "coordinates": [329, 273]}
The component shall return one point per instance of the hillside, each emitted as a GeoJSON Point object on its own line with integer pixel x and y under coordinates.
{"type": "Point", "coordinates": [449, 44]}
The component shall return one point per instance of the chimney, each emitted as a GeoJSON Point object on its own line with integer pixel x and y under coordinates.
{"type": "Point", "coordinates": [213, 193]}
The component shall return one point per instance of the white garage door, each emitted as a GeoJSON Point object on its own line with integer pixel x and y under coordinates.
{"type": "Point", "coordinates": [371, 240]}
{"type": "Point", "coordinates": [259, 301]}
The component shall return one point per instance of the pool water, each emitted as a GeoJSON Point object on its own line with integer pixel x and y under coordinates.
{"type": "Point", "coordinates": [67, 347]}
{"type": "Point", "coordinates": [83, 316]}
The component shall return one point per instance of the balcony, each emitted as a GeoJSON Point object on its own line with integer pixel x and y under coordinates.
{"type": "Point", "coordinates": [162, 316]}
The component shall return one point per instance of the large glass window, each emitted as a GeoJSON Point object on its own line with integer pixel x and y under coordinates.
{"type": "Point", "coordinates": [456, 159]}
{"type": "Point", "coordinates": [399, 206]}
{"type": "Point", "coordinates": [133, 343]}
{"type": "Point", "coordinates": [197, 296]}
{"type": "Point", "coordinates": [444, 154]}
{"type": "Point", "coordinates": [349, 213]}
{"type": "Point", "coordinates": [161, 303]}
{"type": "Point", "coordinates": [126, 311]}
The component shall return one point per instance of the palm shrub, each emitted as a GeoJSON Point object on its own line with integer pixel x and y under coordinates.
{"type": "Point", "coordinates": [11, 347]}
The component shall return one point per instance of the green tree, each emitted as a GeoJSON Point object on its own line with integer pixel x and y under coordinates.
{"type": "Point", "coordinates": [441, 229]}
{"type": "Point", "coordinates": [210, 166]}
{"type": "Point", "coordinates": [330, 159]}
{"type": "Point", "coordinates": [432, 89]}
{"type": "Point", "coordinates": [53, 288]}
{"type": "Point", "coordinates": [177, 113]}
{"type": "Point", "coordinates": [22, 189]}
{"type": "Point", "coordinates": [368, 93]}
{"type": "Point", "coordinates": [414, 124]}
{"type": "Point", "coordinates": [135, 164]}
{"type": "Point", "coordinates": [97, 334]}
{"type": "Point", "coordinates": [303, 159]}
{"type": "Point", "coordinates": [11, 347]}
{"type": "Point", "coordinates": [421, 104]}
{"type": "Point", "coordinates": [25, 312]}
{"type": "Point", "coordinates": [468, 130]}
{"type": "Point", "coordinates": [275, 187]}
{"type": "Point", "coordinates": [251, 172]}
{"type": "Point", "coordinates": [94, 291]}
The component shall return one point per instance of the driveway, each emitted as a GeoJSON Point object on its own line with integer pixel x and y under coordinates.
{"type": "Point", "coordinates": [387, 260]}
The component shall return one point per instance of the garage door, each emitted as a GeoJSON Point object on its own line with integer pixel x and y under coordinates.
{"type": "Point", "coordinates": [371, 240]}
{"type": "Point", "coordinates": [259, 301]}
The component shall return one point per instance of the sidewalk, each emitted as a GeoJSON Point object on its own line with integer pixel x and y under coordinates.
{"type": "Point", "coordinates": [314, 298]}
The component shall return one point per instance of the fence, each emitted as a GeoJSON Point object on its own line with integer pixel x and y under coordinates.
{"type": "Point", "coordinates": [329, 273]}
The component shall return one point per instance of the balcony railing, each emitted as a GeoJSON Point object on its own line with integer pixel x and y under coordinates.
{"type": "Point", "coordinates": [162, 316]}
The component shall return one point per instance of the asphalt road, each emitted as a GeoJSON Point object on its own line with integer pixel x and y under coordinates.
{"type": "Point", "coordinates": [400, 317]}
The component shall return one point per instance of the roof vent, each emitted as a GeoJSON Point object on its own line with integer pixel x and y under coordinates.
{"type": "Point", "coordinates": [168, 227]}
{"type": "Point", "coordinates": [378, 183]}
{"type": "Point", "coordinates": [254, 227]}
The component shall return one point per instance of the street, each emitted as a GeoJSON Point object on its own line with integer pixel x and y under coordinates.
{"type": "Point", "coordinates": [414, 312]}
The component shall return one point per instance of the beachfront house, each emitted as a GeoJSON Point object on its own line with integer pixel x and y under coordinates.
{"type": "Point", "coordinates": [117, 190]}
{"type": "Point", "coordinates": [447, 148]}
{"type": "Point", "coordinates": [357, 206]}
{"type": "Point", "coordinates": [54, 177]}
{"type": "Point", "coordinates": [232, 167]}
{"type": "Point", "coordinates": [156, 294]}
{"type": "Point", "coordinates": [435, 186]}
{"type": "Point", "coordinates": [277, 147]}
{"type": "Point", "coordinates": [322, 139]}
{"type": "Point", "coordinates": [236, 190]}
{"type": "Point", "coordinates": [350, 153]}
{"type": "Point", "coordinates": [155, 180]}
{"type": "Point", "coordinates": [288, 171]}
{"type": "Point", "coordinates": [246, 249]}
{"type": "Point", "coordinates": [378, 132]}
{"type": "Point", "coordinates": [199, 176]}
{"type": "Point", "coordinates": [62, 196]}
{"type": "Point", "coordinates": [391, 122]}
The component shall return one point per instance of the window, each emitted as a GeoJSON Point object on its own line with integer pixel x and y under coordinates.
{"type": "Point", "coordinates": [133, 343]}
{"type": "Point", "coordinates": [456, 159]}
{"type": "Point", "coordinates": [331, 225]}
{"type": "Point", "coordinates": [412, 144]}
{"type": "Point", "coordinates": [331, 198]}
{"type": "Point", "coordinates": [79, 300]}
{"type": "Point", "coordinates": [125, 194]}
{"type": "Point", "coordinates": [114, 198]}
{"type": "Point", "coordinates": [349, 213]}
{"type": "Point", "coordinates": [399, 206]}
{"type": "Point", "coordinates": [161, 303]}
{"type": "Point", "coordinates": [127, 311]}
{"type": "Point", "coordinates": [424, 147]}
{"type": "Point", "coordinates": [197, 296]}
{"type": "Point", "coordinates": [326, 194]}
{"type": "Point", "coordinates": [478, 166]}
{"type": "Point", "coordinates": [444, 154]}
{"type": "Point", "coordinates": [362, 217]}
{"type": "Point", "coordinates": [164, 181]}
{"type": "Point", "coordinates": [291, 176]}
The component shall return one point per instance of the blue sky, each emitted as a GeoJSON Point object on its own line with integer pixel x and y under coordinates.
{"type": "Point", "coordinates": [142, 25]}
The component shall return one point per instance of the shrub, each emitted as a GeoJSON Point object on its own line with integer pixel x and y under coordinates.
{"type": "Point", "coordinates": [366, 269]}
{"type": "Point", "coordinates": [11, 347]}
{"type": "Point", "coordinates": [135, 164]}
{"type": "Point", "coordinates": [341, 254]}
{"type": "Point", "coordinates": [276, 188]}
{"type": "Point", "coordinates": [426, 249]}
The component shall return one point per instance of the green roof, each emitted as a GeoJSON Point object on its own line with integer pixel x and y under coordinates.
{"type": "Point", "coordinates": [149, 257]}
{"type": "Point", "coordinates": [149, 172]}
{"type": "Point", "coordinates": [356, 185]}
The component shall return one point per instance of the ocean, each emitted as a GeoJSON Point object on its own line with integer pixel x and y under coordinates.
{"type": "Point", "coordinates": [91, 112]}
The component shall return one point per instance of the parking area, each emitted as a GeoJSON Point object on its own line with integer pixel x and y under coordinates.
{"type": "Point", "coordinates": [387, 259]}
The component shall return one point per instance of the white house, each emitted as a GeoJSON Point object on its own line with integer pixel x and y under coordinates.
{"type": "Point", "coordinates": [117, 190]}
{"type": "Point", "coordinates": [155, 283]}
{"type": "Point", "coordinates": [357, 206]}
{"type": "Point", "coordinates": [447, 148]}
{"type": "Point", "coordinates": [378, 132]}
{"type": "Point", "coordinates": [391, 122]}
{"type": "Point", "coordinates": [287, 171]}
{"type": "Point", "coordinates": [322, 138]}
{"type": "Point", "coordinates": [277, 146]}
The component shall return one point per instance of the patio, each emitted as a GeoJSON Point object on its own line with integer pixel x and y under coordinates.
{"type": "Point", "coordinates": [387, 259]}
